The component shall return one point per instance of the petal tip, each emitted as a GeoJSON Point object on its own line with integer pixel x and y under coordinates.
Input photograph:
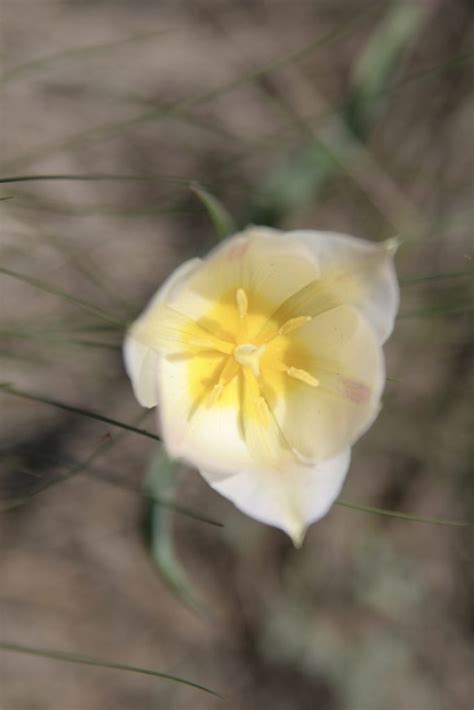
{"type": "Point", "coordinates": [391, 246]}
{"type": "Point", "coordinates": [297, 535]}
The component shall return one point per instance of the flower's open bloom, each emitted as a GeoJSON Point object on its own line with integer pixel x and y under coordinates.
{"type": "Point", "coordinates": [266, 362]}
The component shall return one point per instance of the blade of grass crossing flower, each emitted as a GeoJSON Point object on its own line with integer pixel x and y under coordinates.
{"type": "Point", "coordinates": [89, 661]}
{"type": "Point", "coordinates": [403, 516]}
{"type": "Point", "coordinates": [161, 483]}
{"type": "Point", "coordinates": [436, 277]}
{"type": "Point", "coordinates": [223, 223]}
{"type": "Point", "coordinates": [86, 468]}
{"type": "Point", "coordinates": [76, 468]}
{"type": "Point", "coordinates": [92, 178]}
{"type": "Point", "coordinates": [9, 389]}
{"type": "Point", "coordinates": [439, 311]}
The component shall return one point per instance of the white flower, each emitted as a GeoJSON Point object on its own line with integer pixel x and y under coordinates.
{"type": "Point", "coordinates": [266, 362]}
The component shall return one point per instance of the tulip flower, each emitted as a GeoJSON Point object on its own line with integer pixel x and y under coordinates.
{"type": "Point", "coordinates": [265, 361]}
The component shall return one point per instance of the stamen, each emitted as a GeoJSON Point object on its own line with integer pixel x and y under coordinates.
{"type": "Point", "coordinates": [242, 302]}
{"type": "Point", "coordinates": [293, 324]}
{"type": "Point", "coordinates": [215, 394]}
{"type": "Point", "coordinates": [303, 376]}
{"type": "Point", "coordinates": [230, 370]}
{"type": "Point", "coordinates": [263, 412]}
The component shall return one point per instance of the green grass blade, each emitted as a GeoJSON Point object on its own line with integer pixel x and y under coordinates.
{"type": "Point", "coordinates": [378, 62]}
{"type": "Point", "coordinates": [224, 224]}
{"type": "Point", "coordinates": [76, 52]}
{"type": "Point", "coordinates": [338, 145]}
{"type": "Point", "coordinates": [37, 283]}
{"type": "Point", "coordinates": [455, 61]}
{"type": "Point", "coordinates": [99, 663]}
{"type": "Point", "coordinates": [31, 202]}
{"type": "Point", "coordinates": [161, 482]}
{"type": "Point", "coordinates": [78, 467]}
{"type": "Point", "coordinates": [9, 389]}
{"type": "Point", "coordinates": [86, 468]}
{"type": "Point", "coordinates": [403, 516]}
{"type": "Point", "coordinates": [94, 177]}
{"type": "Point", "coordinates": [437, 277]}
{"type": "Point", "coordinates": [438, 311]}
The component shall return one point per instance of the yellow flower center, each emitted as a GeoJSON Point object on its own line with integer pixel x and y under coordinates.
{"type": "Point", "coordinates": [248, 349]}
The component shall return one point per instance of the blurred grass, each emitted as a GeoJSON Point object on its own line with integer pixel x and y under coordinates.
{"type": "Point", "coordinates": [89, 661]}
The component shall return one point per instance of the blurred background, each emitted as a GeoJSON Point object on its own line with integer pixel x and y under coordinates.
{"type": "Point", "coordinates": [127, 126]}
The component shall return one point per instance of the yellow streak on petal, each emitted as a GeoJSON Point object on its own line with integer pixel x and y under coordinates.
{"type": "Point", "coordinates": [242, 302]}
{"type": "Point", "coordinates": [293, 324]}
{"type": "Point", "coordinates": [229, 372]}
{"type": "Point", "coordinates": [167, 330]}
{"type": "Point", "coordinates": [263, 412]}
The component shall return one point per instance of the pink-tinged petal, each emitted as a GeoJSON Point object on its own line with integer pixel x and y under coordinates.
{"type": "Point", "coordinates": [339, 349]}
{"type": "Point", "coordinates": [257, 260]}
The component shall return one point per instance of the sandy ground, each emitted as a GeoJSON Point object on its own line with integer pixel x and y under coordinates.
{"type": "Point", "coordinates": [373, 613]}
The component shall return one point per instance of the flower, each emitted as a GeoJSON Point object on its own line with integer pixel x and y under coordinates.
{"type": "Point", "coordinates": [266, 361]}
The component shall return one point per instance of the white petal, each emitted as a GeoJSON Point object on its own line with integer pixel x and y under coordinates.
{"type": "Point", "coordinates": [288, 501]}
{"type": "Point", "coordinates": [141, 362]}
{"type": "Point", "coordinates": [380, 300]}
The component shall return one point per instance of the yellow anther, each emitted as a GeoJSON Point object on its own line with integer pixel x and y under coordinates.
{"type": "Point", "coordinates": [242, 302]}
{"type": "Point", "coordinates": [215, 394]}
{"type": "Point", "coordinates": [293, 324]}
{"type": "Point", "coordinates": [303, 376]}
{"type": "Point", "coordinates": [263, 412]}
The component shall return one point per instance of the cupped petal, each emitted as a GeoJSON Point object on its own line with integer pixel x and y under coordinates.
{"type": "Point", "coordinates": [260, 261]}
{"type": "Point", "coordinates": [338, 395]}
{"type": "Point", "coordinates": [290, 501]}
{"type": "Point", "coordinates": [362, 274]}
{"type": "Point", "coordinates": [141, 360]}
